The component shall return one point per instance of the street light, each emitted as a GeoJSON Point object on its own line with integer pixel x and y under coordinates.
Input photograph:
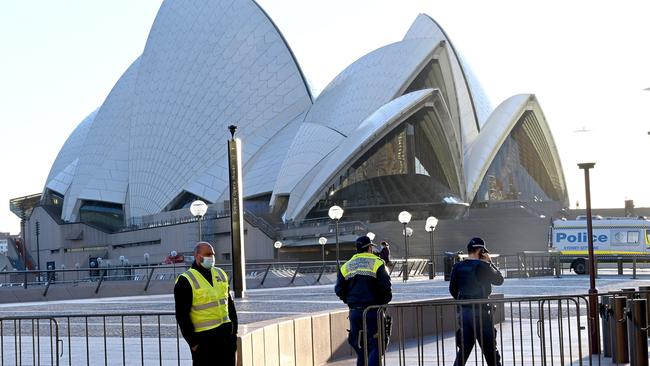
{"type": "Point", "coordinates": [146, 258]}
{"type": "Point", "coordinates": [593, 292]}
{"type": "Point", "coordinates": [371, 235]}
{"type": "Point", "coordinates": [430, 226]}
{"type": "Point", "coordinates": [404, 218]}
{"type": "Point", "coordinates": [322, 241]}
{"type": "Point", "coordinates": [277, 245]}
{"type": "Point", "coordinates": [172, 256]}
{"type": "Point", "coordinates": [335, 213]}
{"type": "Point", "coordinates": [198, 208]}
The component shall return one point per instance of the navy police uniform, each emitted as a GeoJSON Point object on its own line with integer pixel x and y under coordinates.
{"type": "Point", "coordinates": [362, 282]}
{"type": "Point", "coordinates": [473, 279]}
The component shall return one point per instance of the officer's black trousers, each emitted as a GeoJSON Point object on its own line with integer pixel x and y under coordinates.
{"type": "Point", "coordinates": [216, 347]}
{"type": "Point", "coordinates": [475, 324]}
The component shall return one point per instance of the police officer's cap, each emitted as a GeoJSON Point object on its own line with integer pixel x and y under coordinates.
{"type": "Point", "coordinates": [476, 243]}
{"type": "Point", "coordinates": [364, 242]}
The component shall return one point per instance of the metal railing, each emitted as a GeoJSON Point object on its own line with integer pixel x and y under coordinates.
{"type": "Point", "coordinates": [526, 330]}
{"type": "Point", "coordinates": [260, 274]}
{"type": "Point", "coordinates": [98, 339]}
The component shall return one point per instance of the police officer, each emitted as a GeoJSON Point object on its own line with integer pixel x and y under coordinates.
{"type": "Point", "coordinates": [363, 281]}
{"type": "Point", "coordinates": [473, 279]}
{"type": "Point", "coordinates": [205, 311]}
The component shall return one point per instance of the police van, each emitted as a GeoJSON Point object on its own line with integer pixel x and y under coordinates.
{"type": "Point", "coordinates": [614, 238]}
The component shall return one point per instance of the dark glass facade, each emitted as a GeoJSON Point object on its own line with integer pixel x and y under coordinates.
{"type": "Point", "coordinates": [104, 215]}
{"type": "Point", "coordinates": [523, 169]}
{"type": "Point", "coordinates": [412, 168]}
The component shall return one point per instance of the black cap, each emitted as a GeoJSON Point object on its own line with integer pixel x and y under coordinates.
{"type": "Point", "coordinates": [476, 243]}
{"type": "Point", "coordinates": [364, 242]}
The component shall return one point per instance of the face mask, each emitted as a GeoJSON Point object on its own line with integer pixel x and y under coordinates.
{"type": "Point", "coordinates": [207, 262]}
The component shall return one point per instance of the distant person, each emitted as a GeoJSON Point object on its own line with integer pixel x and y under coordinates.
{"type": "Point", "coordinates": [472, 279]}
{"type": "Point", "coordinates": [384, 253]}
{"type": "Point", "coordinates": [205, 311]}
{"type": "Point", "coordinates": [362, 282]}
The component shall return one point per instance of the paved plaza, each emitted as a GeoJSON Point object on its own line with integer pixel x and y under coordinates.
{"type": "Point", "coordinates": [259, 305]}
{"type": "Point", "coordinates": [272, 303]}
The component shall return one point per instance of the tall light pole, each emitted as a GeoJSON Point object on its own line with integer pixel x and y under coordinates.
{"type": "Point", "coordinates": [404, 218]}
{"type": "Point", "coordinates": [322, 241]}
{"type": "Point", "coordinates": [277, 245]}
{"type": "Point", "coordinates": [198, 209]}
{"type": "Point", "coordinates": [335, 213]}
{"type": "Point", "coordinates": [38, 247]}
{"type": "Point", "coordinates": [430, 226]}
{"type": "Point", "coordinates": [593, 292]}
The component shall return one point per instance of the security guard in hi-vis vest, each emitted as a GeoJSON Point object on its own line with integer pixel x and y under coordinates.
{"type": "Point", "coordinates": [363, 281]}
{"type": "Point", "coordinates": [205, 311]}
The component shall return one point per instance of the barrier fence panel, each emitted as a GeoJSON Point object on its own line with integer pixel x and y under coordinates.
{"type": "Point", "coordinates": [29, 341]}
{"type": "Point", "coordinates": [100, 339]}
{"type": "Point", "coordinates": [526, 331]}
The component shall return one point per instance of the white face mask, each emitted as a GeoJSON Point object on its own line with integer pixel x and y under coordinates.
{"type": "Point", "coordinates": [207, 262]}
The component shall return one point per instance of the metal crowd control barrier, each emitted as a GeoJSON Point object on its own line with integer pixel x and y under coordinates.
{"type": "Point", "coordinates": [529, 330]}
{"type": "Point", "coordinates": [98, 339]}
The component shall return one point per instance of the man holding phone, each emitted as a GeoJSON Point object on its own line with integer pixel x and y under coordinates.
{"type": "Point", "coordinates": [472, 279]}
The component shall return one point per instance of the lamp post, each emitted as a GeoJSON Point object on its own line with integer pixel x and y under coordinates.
{"type": "Point", "coordinates": [335, 213]}
{"type": "Point", "coordinates": [593, 292]}
{"type": "Point", "coordinates": [277, 245]}
{"type": "Point", "coordinates": [322, 241]}
{"type": "Point", "coordinates": [430, 226]}
{"type": "Point", "coordinates": [404, 218]}
{"type": "Point", "coordinates": [198, 209]}
{"type": "Point", "coordinates": [172, 256]}
{"type": "Point", "coordinates": [38, 247]}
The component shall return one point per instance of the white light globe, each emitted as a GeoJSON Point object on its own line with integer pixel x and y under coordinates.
{"type": "Point", "coordinates": [335, 213]}
{"type": "Point", "coordinates": [277, 244]}
{"type": "Point", "coordinates": [408, 231]}
{"type": "Point", "coordinates": [371, 236]}
{"type": "Point", "coordinates": [404, 217]}
{"type": "Point", "coordinates": [431, 224]}
{"type": "Point", "coordinates": [322, 240]}
{"type": "Point", "coordinates": [198, 208]}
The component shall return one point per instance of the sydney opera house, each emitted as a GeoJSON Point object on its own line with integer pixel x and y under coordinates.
{"type": "Point", "coordinates": [405, 127]}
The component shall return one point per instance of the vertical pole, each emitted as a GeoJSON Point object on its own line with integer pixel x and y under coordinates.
{"type": "Point", "coordinates": [405, 272]}
{"type": "Point", "coordinates": [337, 243]}
{"type": "Point", "coordinates": [200, 228]}
{"type": "Point", "coordinates": [236, 215]}
{"type": "Point", "coordinates": [432, 271]}
{"type": "Point", "coordinates": [323, 251]}
{"type": "Point", "coordinates": [593, 292]}
{"type": "Point", "coordinates": [38, 247]}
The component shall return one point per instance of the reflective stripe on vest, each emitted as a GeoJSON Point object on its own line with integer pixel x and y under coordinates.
{"type": "Point", "coordinates": [209, 302]}
{"type": "Point", "coordinates": [364, 264]}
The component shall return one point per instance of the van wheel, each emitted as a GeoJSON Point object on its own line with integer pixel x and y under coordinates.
{"type": "Point", "coordinates": [579, 266]}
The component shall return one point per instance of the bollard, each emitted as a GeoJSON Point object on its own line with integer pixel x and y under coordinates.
{"type": "Point", "coordinates": [619, 334]}
{"type": "Point", "coordinates": [619, 265]}
{"type": "Point", "coordinates": [644, 293]}
{"type": "Point", "coordinates": [638, 332]}
{"type": "Point", "coordinates": [558, 266]}
{"type": "Point", "coordinates": [605, 316]}
{"type": "Point", "coordinates": [634, 268]}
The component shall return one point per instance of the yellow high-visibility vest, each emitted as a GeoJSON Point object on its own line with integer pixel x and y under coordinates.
{"type": "Point", "coordinates": [209, 302]}
{"type": "Point", "coordinates": [365, 264]}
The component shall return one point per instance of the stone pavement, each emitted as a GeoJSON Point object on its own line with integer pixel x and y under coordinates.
{"type": "Point", "coordinates": [259, 305]}
{"type": "Point", "coordinates": [265, 304]}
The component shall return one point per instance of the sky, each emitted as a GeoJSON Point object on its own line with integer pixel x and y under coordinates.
{"type": "Point", "coordinates": [588, 63]}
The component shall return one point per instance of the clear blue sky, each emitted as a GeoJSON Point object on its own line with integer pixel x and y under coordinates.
{"type": "Point", "coordinates": [587, 61]}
